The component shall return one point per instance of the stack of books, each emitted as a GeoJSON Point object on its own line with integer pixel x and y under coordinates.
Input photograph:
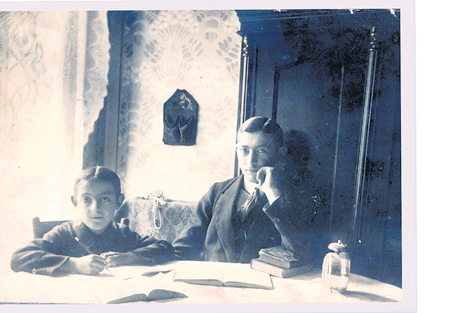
{"type": "Point", "coordinates": [280, 262]}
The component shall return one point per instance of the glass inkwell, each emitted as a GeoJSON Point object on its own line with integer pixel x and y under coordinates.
{"type": "Point", "coordinates": [336, 267]}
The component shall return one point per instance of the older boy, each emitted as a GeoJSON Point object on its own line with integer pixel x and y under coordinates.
{"type": "Point", "coordinates": [88, 245]}
{"type": "Point", "coordinates": [258, 209]}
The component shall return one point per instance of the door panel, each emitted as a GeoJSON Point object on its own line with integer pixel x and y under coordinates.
{"type": "Point", "coordinates": [308, 69]}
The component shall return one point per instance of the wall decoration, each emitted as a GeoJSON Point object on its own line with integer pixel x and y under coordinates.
{"type": "Point", "coordinates": [180, 119]}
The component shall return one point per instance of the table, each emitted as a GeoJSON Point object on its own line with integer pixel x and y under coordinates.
{"type": "Point", "coordinates": [77, 289]}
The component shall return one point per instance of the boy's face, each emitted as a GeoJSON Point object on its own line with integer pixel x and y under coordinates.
{"type": "Point", "coordinates": [96, 202]}
{"type": "Point", "coordinates": [254, 152]}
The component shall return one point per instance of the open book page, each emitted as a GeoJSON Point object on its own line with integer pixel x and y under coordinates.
{"type": "Point", "coordinates": [241, 275]}
{"type": "Point", "coordinates": [125, 272]}
{"type": "Point", "coordinates": [221, 274]}
{"type": "Point", "coordinates": [203, 273]}
{"type": "Point", "coordinates": [142, 288]}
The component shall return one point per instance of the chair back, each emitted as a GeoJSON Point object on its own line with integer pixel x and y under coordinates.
{"type": "Point", "coordinates": [157, 216]}
{"type": "Point", "coordinates": [40, 228]}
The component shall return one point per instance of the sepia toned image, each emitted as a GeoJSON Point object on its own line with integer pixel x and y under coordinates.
{"type": "Point", "coordinates": [173, 157]}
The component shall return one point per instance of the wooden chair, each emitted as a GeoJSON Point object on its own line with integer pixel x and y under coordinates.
{"type": "Point", "coordinates": [40, 228]}
{"type": "Point", "coordinates": [157, 216]}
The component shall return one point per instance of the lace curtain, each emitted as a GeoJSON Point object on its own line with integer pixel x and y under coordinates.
{"type": "Point", "coordinates": [198, 51]}
{"type": "Point", "coordinates": [53, 80]}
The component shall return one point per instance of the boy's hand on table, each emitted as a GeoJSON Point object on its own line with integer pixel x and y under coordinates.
{"type": "Point", "coordinates": [89, 265]}
{"type": "Point", "coordinates": [120, 258]}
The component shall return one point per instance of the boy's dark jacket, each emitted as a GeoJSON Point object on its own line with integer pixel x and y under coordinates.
{"type": "Point", "coordinates": [45, 256]}
{"type": "Point", "coordinates": [291, 220]}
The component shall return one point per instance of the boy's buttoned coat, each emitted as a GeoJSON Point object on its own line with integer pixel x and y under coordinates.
{"type": "Point", "coordinates": [46, 256]}
{"type": "Point", "coordinates": [214, 228]}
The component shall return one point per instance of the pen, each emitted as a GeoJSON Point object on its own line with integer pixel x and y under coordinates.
{"type": "Point", "coordinates": [89, 251]}
{"type": "Point", "coordinates": [83, 246]}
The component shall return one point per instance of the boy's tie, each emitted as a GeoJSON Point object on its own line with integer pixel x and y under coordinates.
{"type": "Point", "coordinates": [254, 200]}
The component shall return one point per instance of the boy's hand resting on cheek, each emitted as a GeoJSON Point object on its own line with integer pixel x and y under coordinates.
{"type": "Point", "coordinates": [120, 258]}
{"type": "Point", "coordinates": [270, 180]}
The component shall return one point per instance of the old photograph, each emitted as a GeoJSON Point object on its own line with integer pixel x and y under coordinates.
{"type": "Point", "coordinates": [205, 156]}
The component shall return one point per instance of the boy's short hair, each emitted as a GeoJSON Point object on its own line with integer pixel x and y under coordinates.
{"type": "Point", "coordinates": [265, 125]}
{"type": "Point", "coordinates": [98, 173]}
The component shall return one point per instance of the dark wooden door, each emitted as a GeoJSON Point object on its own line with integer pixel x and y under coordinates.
{"type": "Point", "coordinates": [327, 77]}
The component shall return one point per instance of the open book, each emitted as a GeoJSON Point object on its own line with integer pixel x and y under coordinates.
{"type": "Point", "coordinates": [153, 295]}
{"type": "Point", "coordinates": [222, 274]}
{"type": "Point", "coordinates": [142, 288]}
{"type": "Point", "coordinates": [125, 273]}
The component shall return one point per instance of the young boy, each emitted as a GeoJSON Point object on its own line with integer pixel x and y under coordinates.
{"type": "Point", "coordinates": [258, 209]}
{"type": "Point", "coordinates": [95, 241]}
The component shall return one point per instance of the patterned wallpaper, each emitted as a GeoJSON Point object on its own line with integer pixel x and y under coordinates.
{"type": "Point", "coordinates": [198, 51]}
